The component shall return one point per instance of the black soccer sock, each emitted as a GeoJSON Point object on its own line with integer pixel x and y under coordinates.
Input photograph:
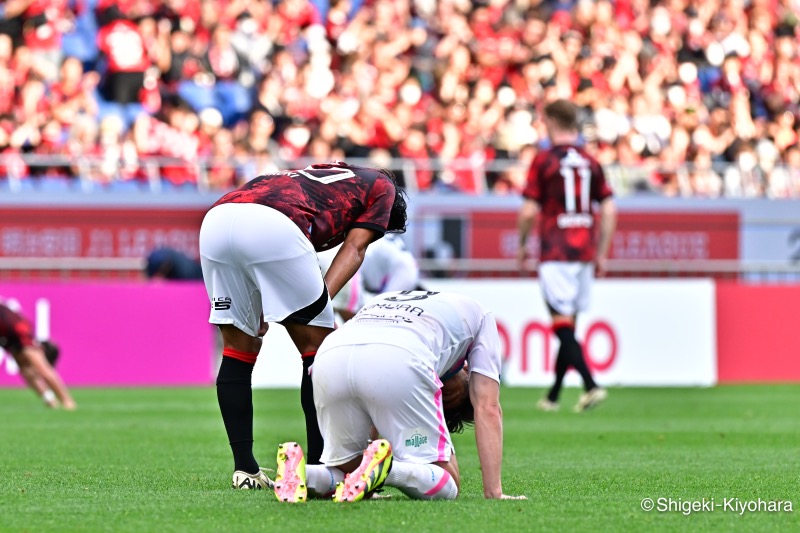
{"type": "Point", "coordinates": [313, 435]}
{"type": "Point", "coordinates": [235, 397]}
{"type": "Point", "coordinates": [562, 365]}
{"type": "Point", "coordinates": [573, 350]}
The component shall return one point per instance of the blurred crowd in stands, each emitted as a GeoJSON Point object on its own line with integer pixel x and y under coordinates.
{"type": "Point", "coordinates": [678, 97]}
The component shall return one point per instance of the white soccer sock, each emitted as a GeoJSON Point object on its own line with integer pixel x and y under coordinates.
{"type": "Point", "coordinates": [322, 480]}
{"type": "Point", "coordinates": [422, 481]}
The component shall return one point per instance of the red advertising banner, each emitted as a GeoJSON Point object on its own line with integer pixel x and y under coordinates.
{"type": "Point", "coordinates": [481, 234]}
{"type": "Point", "coordinates": [657, 236]}
{"type": "Point", "coordinates": [98, 232]}
{"type": "Point", "coordinates": [755, 333]}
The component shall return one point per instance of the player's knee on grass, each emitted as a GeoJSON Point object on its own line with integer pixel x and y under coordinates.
{"type": "Point", "coordinates": [451, 467]}
{"type": "Point", "coordinates": [422, 481]}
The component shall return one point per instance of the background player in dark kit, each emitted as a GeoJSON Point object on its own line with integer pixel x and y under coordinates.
{"type": "Point", "coordinates": [564, 184]}
{"type": "Point", "coordinates": [35, 359]}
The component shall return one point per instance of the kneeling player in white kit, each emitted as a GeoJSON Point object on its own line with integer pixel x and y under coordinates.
{"type": "Point", "coordinates": [385, 368]}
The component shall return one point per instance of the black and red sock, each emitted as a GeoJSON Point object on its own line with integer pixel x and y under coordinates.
{"type": "Point", "coordinates": [314, 442]}
{"type": "Point", "coordinates": [235, 397]}
{"type": "Point", "coordinates": [570, 353]}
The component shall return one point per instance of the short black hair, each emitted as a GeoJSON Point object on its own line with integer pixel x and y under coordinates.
{"type": "Point", "coordinates": [398, 218]}
{"type": "Point", "coordinates": [51, 352]}
{"type": "Point", "coordinates": [461, 416]}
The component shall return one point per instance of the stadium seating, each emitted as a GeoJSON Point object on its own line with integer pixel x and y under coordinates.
{"type": "Point", "coordinates": [680, 99]}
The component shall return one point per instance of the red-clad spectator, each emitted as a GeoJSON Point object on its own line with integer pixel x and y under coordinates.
{"type": "Point", "coordinates": [182, 62]}
{"type": "Point", "coordinates": [261, 128]}
{"type": "Point", "coordinates": [84, 138]}
{"type": "Point", "coordinates": [118, 159]}
{"type": "Point", "coordinates": [72, 94]}
{"type": "Point", "coordinates": [156, 40]}
{"type": "Point", "coordinates": [173, 141]}
{"type": "Point", "coordinates": [124, 51]}
{"type": "Point", "coordinates": [44, 22]}
{"type": "Point", "coordinates": [210, 124]}
{"type": "Point", "coordinates": [414, 147]}
{"type": "Point", "coordinates": [224, 82]}
{"type": "Point", "coordinates": [221, 174]}
{"type": "Point", "coordinates": [11, 164]}
{"type": "Point", "coordinates": [53, 142]}
{"type": "Point", "coordinates": [31, 105]}
{"type": "Point", "coordinates": [293, 141]}
{"type": "Point", "coordinates": [296, 15]}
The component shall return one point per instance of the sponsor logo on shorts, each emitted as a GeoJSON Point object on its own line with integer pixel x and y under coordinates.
{"type": "Point", "coordinates": [222, 304]}
{"type": "Point", "coordinates": [416, 441]}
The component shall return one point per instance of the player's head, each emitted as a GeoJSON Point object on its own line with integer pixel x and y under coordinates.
{"type": "Point", "coordinates": [51, 352]}
{"type": "Point", "coordinates": [398, 217]}
{"type": "Point", "coordinates": [561, 116]}
{"type": "Point", "coordinates": [456, 404]}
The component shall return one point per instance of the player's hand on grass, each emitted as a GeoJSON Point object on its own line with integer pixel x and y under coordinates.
{"type": "Point", "coordinates": [504, 496]}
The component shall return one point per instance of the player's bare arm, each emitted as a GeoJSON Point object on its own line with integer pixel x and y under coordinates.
{"type": "Point", "coordinates": [485, 396]}
{"type": "Point", "coordinates": [349, 259]}
{"type": "Point", "coordinates": [36, 355]}
{"type": "Point", "coordinates": [43, 378]}
{"type": "Point", "coordinates": [608, 223]}
{"type": "Point", "coordinates": [32, 377]}
{"type": "Point", "coordinates": [526, 220]}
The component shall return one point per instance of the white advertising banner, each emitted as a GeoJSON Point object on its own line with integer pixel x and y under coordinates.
{"type": "Point", "coordinates": [636, 333]}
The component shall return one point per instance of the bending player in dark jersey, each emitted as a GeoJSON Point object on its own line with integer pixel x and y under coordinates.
{"type": "Point", "coordinates": [35, 360]}
{"type": "Point", "coordinates": [258, 249]}
{"type": "Point", "coordinates": [563, 184]}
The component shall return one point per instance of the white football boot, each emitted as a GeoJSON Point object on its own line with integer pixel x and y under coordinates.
{"type": "Point", "coordinates": [590, 399]}
{"type": "Point", "coordinates": [245, 481]}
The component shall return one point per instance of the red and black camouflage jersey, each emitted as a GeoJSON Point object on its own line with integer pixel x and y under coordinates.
{"type": "Point", "coordinates": [15, 331]}
{"type": "Point", "coordinates": [325, 201]}
{"type": "Point", "coordinates": [566, 182]}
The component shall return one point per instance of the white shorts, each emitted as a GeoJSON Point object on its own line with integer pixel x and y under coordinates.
{"type": "Point", "coordinates": [566, 285]}
{"type": "Point", "coordinates": [256, 260]}
{"type": "Point", "coordinates": [358, 386]}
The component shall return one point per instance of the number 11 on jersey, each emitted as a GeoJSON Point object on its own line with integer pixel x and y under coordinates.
{"type": "Point", "coordinates": [574, 167]}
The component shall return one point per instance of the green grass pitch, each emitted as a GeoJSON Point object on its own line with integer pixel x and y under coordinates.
{"type": "Point", "coordinates": [157, 460]}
